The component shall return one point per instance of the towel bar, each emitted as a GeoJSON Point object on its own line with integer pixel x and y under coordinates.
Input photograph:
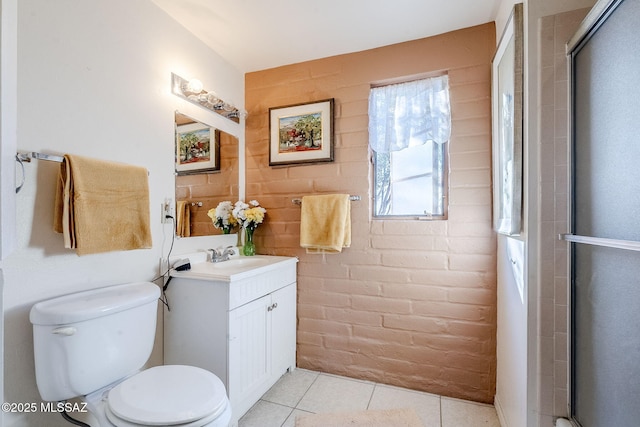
{"type": "Point", "coordinates": [630, 245]}
{"type": "Point", "coordinates": [352, 198]}
{"type": "Point", "coordinates": [26, 157]}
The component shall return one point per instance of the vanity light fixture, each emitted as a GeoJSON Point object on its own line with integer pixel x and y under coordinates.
{"type": "Point", "coordinates": [194, 86]}
{"type": "Point", "coordinates": [193, 91]}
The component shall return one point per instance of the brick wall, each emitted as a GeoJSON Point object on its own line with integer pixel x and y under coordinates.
{"type": "Point", "coordinates": [410, 303]}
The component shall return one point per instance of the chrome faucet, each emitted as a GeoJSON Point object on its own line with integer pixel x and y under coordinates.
{"type": "Point", "coordinates": [219, 255]}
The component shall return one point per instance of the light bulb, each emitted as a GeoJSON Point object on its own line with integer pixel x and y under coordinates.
{"type": "Point", "coordinates": [195, 86]}
{"type": "Point", "coordinates": [212, 97]}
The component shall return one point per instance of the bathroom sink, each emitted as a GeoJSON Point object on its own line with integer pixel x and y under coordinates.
{"type": "Point", "coordinates": [239, 262]}
{"type": "Point", "coordinates": [235, 268]}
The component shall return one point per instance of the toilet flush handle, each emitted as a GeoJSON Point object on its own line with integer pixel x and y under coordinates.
{"type": "Point", "coordinates": [65, 330]}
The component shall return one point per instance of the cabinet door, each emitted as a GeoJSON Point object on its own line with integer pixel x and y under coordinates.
{"type": "Point", "coordinates": [283, 313]}
{"type": "Point", "coordinates": [249, 353]}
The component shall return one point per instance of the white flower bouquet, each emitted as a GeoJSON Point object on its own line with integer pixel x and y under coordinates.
{"type": "Point", "coordinates": [249, 215]}
{"type": "Point", "coordinates": [223, 217]}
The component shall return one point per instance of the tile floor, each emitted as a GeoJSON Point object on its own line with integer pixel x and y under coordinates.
{"type": "Point", "coordinates": [302, 392]}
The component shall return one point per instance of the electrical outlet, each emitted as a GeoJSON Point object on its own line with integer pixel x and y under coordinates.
{"type": "Point", "coordinates": [167, 211]}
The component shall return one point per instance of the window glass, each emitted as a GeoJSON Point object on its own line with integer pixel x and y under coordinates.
{"type": "Point", "coordinates": [409, 181]}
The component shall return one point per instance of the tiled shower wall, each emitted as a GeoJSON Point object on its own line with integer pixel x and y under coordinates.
{"type": "Point", "coordinates": [555, 31]}
{"type": "Point", "coordinates": [410, 303]}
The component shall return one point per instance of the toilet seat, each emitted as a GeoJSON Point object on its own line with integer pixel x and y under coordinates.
{"type": "Point", "coordinates": [172, 395]}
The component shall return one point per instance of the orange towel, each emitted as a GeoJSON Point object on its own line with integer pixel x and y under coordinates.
{"type": "Point", "coordinates": [325, 223]}
{"type": "Point", "coordinates": [183, 219]}
{"type": "Point", "coordinates": [102, 206]}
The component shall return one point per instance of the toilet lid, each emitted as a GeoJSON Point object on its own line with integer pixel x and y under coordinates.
{"type": "Point", "coordinates": [168, 395]}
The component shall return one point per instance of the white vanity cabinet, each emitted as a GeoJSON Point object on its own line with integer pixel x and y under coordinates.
{"type": "Point", "coordinates": [241, 327]}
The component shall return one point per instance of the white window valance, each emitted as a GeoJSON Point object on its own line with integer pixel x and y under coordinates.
{"type": "Point", "coordinates": [409, 114]}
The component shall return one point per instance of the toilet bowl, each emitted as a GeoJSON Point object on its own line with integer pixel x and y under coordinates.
{"type": "Point", "coordinates": [172, 395]}
{"type": "Point", "coordinates": [93, 344]}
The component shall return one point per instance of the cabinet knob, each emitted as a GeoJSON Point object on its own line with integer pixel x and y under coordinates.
{"type": "Point", "coordinates": [272, 306]}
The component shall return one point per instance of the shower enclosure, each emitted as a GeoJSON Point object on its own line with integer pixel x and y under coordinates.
{"type": "Point", "coordinates": [605, 217]}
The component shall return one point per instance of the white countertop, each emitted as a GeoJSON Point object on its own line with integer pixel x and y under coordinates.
{"type": "Point", "coordinates": [238, 267]}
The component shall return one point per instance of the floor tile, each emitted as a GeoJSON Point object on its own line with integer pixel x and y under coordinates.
{"type": "Point", "coordinates": [426, 405]}
{"type": "Point", "coordinates": [460, 413]}
{"type": "Point", "coordinates": [265, 414]}
{"type": "Point", "coordinates": [291, 421]}
{"type": "Point", "coordinates": [333, 394]}
{"type": "Point", "coordinates": [291, 387]}
{"type": "Point", "coordinates": [304, 392]}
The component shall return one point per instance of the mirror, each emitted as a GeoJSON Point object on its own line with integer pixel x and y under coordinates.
{"type": "Point", "coordinates": [210, 157]}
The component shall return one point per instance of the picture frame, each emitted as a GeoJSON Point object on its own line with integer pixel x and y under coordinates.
{"type": "Point", "coordinates": [301, 133]}
{"type": "Point", "coordinates": [197, 149]}
{"type": "Point", "coordinates": [507, 104]}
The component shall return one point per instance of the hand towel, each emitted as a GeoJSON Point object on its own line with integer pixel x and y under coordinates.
{"type": "Point", "coordinates": [102, 206]}
{"type": "Point", "coordinates": [183, 219]}
{"type": "Point", "coordinates": [325, 223]}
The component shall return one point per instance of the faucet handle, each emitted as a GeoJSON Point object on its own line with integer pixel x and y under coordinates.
{"type": "Point", "coordinates": [214, 253]}
{"type": "Point", "coordinates": [219, 254]}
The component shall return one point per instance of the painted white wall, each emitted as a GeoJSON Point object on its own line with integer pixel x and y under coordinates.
{"type": "Point", "coordinates": [511, 351]}
{"type": "Point", "coordinates": [94, 80]}
{"type": "Point", "coordinates": [502, 16]}
{"type": "Point", "coordinates": [8, 123]}
{"type": "Point", "coordinates": [8, 133]}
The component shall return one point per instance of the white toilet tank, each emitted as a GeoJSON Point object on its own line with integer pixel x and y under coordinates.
{"type": "Point", "coordinates": [88, 340]}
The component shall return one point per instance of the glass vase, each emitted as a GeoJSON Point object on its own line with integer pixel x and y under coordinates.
{"type": "Point", "coordinates": [239, 241]}
{"type": "Point", "coordinates": [249, 248]}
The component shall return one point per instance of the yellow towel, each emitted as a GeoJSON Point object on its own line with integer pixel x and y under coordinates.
{"type": "Point", "coordinates": [102, 206]}
{"type": "Point", "coordinates": [183, 219]}
{"type": "Point", "coordinates": [325, 223]}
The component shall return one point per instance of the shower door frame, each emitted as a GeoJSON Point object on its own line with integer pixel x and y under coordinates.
{"type": "Point", "coordinates": [596, 17]}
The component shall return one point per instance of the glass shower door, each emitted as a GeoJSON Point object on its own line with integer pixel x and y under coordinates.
{"type": "Point", "coordinates": [605, 231]}
{"type": "Point", "coordinates": [606, 343]}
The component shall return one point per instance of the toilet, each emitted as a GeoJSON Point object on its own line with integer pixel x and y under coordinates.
{"type": "Point", "coordinates": [93, 344]}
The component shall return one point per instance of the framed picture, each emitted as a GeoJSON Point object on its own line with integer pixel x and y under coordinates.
{"type": "Point", "coordinates": [301, 133]}
{"type": "Point", "coordinates": [197, 149]}
{"type": "Point", "coordinates": [507, 71]}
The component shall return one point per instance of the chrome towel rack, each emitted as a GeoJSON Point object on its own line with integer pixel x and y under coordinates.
{"type": "Point", "coordinates": [26, 157]}
{"type": "Point", "coordinates": [630, 245]}
{"type": "Point", "coordinates": [352, 198]}
{"type": "Point", "coordinates": [22, 158]}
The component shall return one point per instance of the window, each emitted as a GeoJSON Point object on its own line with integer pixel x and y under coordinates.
{"type": "Point", "coordinates": [409, 127]}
